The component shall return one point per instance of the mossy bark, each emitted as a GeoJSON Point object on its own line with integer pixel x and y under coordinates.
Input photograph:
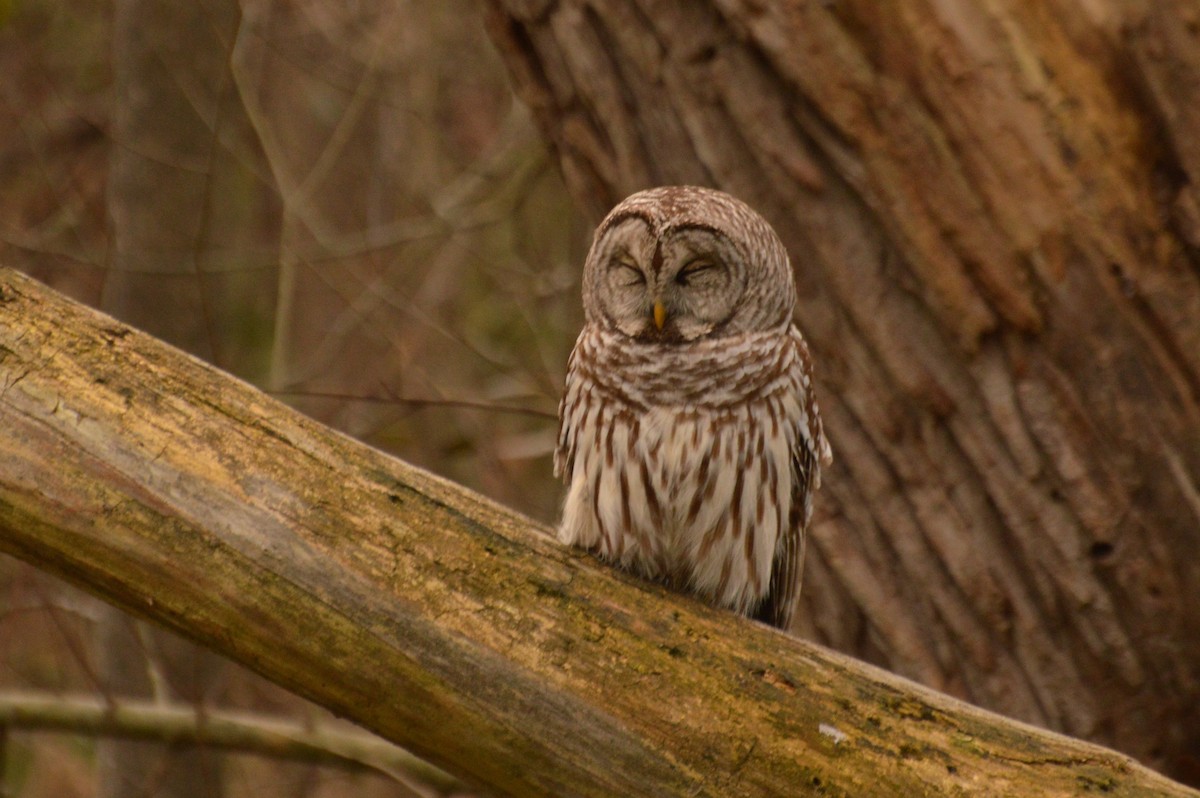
{"type": "Point", "coordinates": [436, 618]}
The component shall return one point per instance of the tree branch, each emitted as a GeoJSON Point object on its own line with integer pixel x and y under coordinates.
{"type": "Point", "coordinates": [237, 731]}
{"type": "Point", "coordinates": [436, 618]}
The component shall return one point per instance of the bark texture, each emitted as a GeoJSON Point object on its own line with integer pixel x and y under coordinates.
{"type": "Point", "coordinates": [994, 216]}
{"type": "Point", "coordinates": [444, 622]}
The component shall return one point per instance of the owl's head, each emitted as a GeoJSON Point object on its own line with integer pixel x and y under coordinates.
{"type": "Point", "coordinates": [680, 263]}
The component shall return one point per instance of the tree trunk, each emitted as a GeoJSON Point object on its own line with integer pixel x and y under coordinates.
{"type": "Point", "coordinates": [188, 221]}
{"type": "Point", "coordinates": [993, 213]}
{"type": "Point", "coordinates": [438, 619]}
{"type": "Point", "coordinates": [194, 214]}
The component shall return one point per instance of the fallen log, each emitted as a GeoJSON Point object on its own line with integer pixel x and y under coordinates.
{"type": "Point", "coordinates": [443, 622]}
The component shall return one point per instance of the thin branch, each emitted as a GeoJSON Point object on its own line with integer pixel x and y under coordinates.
{"type": "Point", "coordinates": [242, 732]}
{"type": "Point", "coordinates": [416, 402]}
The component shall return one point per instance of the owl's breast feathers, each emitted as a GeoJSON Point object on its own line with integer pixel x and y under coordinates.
{"type": "Point", "coordinates": [693, 463]}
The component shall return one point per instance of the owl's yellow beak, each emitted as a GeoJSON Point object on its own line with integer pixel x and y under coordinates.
{"type": "Point", "coordinates": [660, 314]}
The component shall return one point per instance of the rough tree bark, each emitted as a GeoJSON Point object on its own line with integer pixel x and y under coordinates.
{"type": "Point", "coordinates": [994, 216]}
{"type": "Point", "coordinates": [438, 619]}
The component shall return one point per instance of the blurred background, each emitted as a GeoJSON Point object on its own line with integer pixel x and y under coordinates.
{"type": "Point", "coordinates": [339, 202]}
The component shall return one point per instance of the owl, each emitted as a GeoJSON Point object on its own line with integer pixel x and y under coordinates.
{"type": "Point", "coordinates": [689, 438]}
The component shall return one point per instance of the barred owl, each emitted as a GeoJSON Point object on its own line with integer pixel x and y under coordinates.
{"type": "Point", "coordinates": [689, 437]}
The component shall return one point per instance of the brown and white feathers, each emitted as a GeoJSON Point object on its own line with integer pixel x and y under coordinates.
{"type": "Point", "coordinates": [689, 437]}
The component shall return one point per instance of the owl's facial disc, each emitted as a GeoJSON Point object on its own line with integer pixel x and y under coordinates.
{"type": "Point", "coordinates": [680, 286]}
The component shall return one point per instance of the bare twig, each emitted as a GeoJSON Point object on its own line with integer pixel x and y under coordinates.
{"type": "Point", "coordinates": [235, 731]}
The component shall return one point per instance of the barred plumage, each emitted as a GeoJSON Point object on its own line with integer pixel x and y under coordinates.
{"type": "Point", "coordinates": [689, 437]}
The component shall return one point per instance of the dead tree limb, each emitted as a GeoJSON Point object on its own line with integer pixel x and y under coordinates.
{"type": "Point", "coordinates": [242, 732]}
{"type": "Point", "coordinates": [437, 619]}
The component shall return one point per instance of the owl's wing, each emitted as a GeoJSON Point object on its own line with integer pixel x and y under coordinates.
{"type": "Point", "coordinates": [571, 406]}
{"type": "Point", "coordinates": [810, 453]}
{"type": "Point", "coordinates": [779, 604]}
